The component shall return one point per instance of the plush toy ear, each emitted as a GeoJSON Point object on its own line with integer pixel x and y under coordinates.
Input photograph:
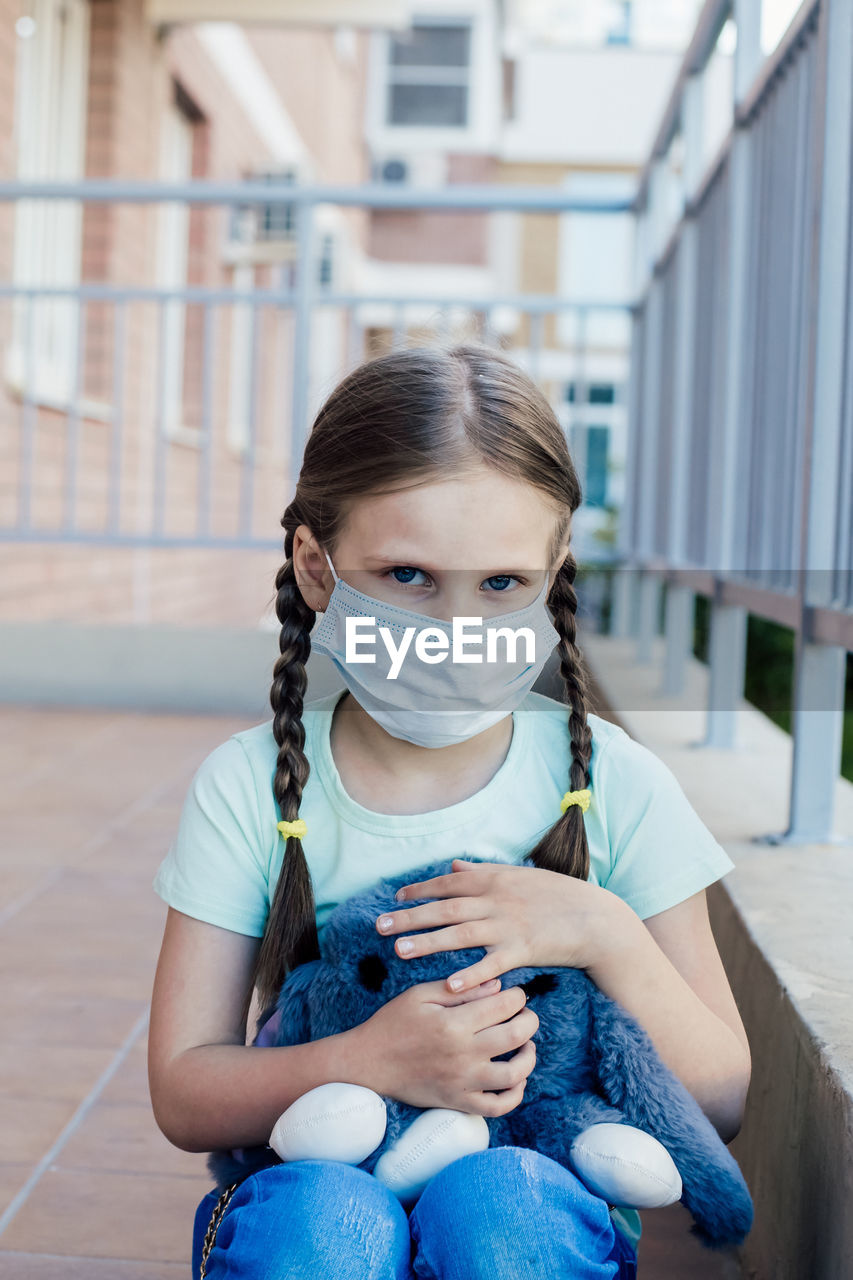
{"type": "Point", "coordinates": [635, 1080]}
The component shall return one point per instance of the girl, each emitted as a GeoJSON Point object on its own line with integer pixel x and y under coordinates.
{"type": "Point", "coordinates": [436, 485]}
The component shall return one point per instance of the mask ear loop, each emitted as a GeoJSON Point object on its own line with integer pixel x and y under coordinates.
{"type": "Point", "coordinates": [331, 566]}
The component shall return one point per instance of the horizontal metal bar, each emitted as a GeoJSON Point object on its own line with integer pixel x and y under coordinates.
{"type": "Point", "coordinates": [830, 626]}
{"type": "Point", "coordinates": [132, 293]}
{"type": "Point", "coordinates": [777, 606]}
{"type": "Point", "coordinates": [700, 581]}
{"type": "Point", "coordinates": [273, 297]}
{"type": "Point", "coordinates": [368, 195]}
{"type": "Point", "coordinates": [140, 539]}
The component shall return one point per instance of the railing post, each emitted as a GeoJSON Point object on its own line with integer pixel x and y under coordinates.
{"type": "Point", "coordinates": [302, 335]}
{"type": "Point", "coordinates": [649, 584]}
{"type": "Point", "coordinates": [726, 671]}
{"type": "Point", "coordinates": [649, 612]}
{"type": "Point", "coordinates": [748, 53]}
{"type": "Point", "coordinates": [727, 650]}
{"type": "Point", "coordinates": [678, 626]}
{"type": "Point", "coordinates": [679, 605]}
{"type": "Point", "coordinates": [623, 618]}
{"type": "Point", "coordinates": [818, 723]}
{"type": "Point", "coordinates": [623, 611]}
{"type": "Point", "coordinates": [820, 669]}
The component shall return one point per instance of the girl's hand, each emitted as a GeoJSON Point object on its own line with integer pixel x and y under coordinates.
{"type": "Point", "coordinates": [522, 915]}
{"type": "Point", "coordinates": [434, 1049]}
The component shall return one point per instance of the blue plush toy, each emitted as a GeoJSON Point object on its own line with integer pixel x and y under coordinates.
{"type": "Point", "coordinates": [599, 1099]}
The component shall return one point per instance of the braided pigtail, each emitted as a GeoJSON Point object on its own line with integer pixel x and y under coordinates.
{"type": "Point", "coordinates": [564, 848]}
{"type": "Point", "coordinates": [290, 936]}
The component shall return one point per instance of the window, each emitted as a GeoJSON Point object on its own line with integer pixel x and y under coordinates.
{"type": "Point", "coordinates": [50, 131]}
{"type": "Point", "coordinates": [619, 22]}
{"type": "Point", "coordinates": [596, 393]}
{"type": "Point", "coordinates": [597, 439]}
{"type": "Point", "coordinates": [252, 226]}
{"type": "Point", "coordinates": [429, 72]}
{"type": "Point", "coordinates": [277, 221]}
{"type": "Point", "coordinates": [589, 447]}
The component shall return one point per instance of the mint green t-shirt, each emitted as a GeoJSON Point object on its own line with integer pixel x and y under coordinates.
{"type": "Point", "coordinates": [646, 842]}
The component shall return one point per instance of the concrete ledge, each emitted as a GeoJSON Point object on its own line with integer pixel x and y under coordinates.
{"type": "Point", "coordinates": [223, 670]}
{"type": "Point", "coordinates": [151, 668]}
{"type": "Point", "coordinates": [782, 920]}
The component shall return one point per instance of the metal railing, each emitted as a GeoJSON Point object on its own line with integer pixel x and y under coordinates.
{"type": "Point", "coordinates": [741, 415]}
{"type": "Point", "coordinates": [133, 437]}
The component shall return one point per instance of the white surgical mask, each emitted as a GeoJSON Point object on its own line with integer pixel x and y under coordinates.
{"type": "Point", "coordinates": [433, 703]}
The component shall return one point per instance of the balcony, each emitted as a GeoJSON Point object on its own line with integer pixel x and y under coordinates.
{"type": "Point", "coordinates": [737, 492]}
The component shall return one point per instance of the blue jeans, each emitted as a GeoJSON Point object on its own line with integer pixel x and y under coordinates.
{"type": "Point", "coordinates": [506, 1213]}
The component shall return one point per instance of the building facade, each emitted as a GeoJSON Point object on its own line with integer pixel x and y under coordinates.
{"type": "Point", "coordinates": [149, 414]}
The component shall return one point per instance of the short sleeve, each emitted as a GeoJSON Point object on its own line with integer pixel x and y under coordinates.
{"type": "Point", "coordinates": [661, 851]}
{"type": "Point", "coordinates": [215, 868]}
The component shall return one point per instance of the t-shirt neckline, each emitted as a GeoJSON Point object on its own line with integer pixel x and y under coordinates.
{"type": "Point", "coordinates": [454, 815]}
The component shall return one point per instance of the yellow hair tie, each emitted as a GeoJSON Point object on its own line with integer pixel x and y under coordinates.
{"type": "Point", "coordinates": [296, 828]}
{"type": "Point", "coordinates": [576, 797]}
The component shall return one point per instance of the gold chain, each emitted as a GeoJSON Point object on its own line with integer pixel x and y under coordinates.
{"type": "Point", "coordinates": [213, 1226]}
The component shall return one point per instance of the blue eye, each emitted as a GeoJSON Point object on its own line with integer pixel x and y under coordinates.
{"type": "Point", "coordinates": [404, 568]}
{"type": "Point", "coordinates": [500, 577]}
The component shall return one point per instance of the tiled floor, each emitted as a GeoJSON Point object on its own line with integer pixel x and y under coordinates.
{"type": "Point", "coordinates": [89, 1187]}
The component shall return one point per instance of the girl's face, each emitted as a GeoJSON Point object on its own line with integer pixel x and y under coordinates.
{"type": "Point", "coordinates": [474, 545]}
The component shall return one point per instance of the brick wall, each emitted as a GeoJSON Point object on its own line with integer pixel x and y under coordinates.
{"type": "Point", "coordinates": [133, 74]}
{"type": "Point", "coordinates": [433, 236]}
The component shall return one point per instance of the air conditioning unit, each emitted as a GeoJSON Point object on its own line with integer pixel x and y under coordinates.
{"type": "Point", "coordinates": [394, 169]}
{"type": "Point", "coordinates": [421, 168]}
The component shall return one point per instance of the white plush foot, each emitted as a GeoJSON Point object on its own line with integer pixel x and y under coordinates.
{"type": "Point", "coordinates": [626, 1166]}
{"type": "Point", "coordinates": [432, 1141]}
{"type": "Point", "coordinates": [332, 1122]}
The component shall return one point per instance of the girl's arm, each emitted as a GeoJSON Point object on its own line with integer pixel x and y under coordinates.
{"type": "Point", "coordinates": [666, 971]}
{"type": "Point", "coordinates": [209, 1089]}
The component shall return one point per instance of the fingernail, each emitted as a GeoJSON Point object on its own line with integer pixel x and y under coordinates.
{"type": "Point", "coordinates": [405, 947]}
{"type": "Point", "coordinates": [385, 922]}
{"type": "Point", "coordinates": [455, 983]}
{"type": "Point", "coordinates": [400, 895]}
{"type": "Point", "coordinates": [492, 982]}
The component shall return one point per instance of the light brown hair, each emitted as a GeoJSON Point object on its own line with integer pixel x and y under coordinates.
{"type": "Point", "coordinates": [406, 418]}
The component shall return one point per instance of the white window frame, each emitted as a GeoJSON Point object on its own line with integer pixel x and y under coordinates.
{"type": "Point", "coordinates": [50, 136]}
{"type": "Point", "coordinates": [482, 131]}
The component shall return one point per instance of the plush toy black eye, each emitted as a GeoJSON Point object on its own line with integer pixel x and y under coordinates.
{"type": "Point", "coordinates": [540, 985]}
{"type": "Point", "coordinates": [372, 972]}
